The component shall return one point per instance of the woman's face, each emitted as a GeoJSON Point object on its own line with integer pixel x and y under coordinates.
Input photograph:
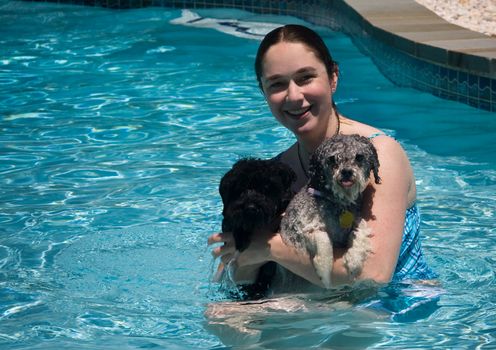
{"type": "Point", "coordinates": [297, 88]}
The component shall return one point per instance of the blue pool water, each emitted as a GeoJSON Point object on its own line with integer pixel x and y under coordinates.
{"type": "Point", "coordinates": [115, 128]}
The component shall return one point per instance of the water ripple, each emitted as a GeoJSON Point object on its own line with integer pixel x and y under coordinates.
{"type": "Point", "coordinates": [9, 258]}
{"type": "Point", "coordinates": [18, 309]}
{"type": "Point", "coordinates": [112, 145]}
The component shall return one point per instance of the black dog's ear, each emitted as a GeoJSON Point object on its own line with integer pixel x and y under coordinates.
{"type": "Point", "coordinates": [285, 177]}
{"type": "Point", "coordinates": [224, 187]}
{"type": "Point", "coordinates": [227, 185]}
{"type": "Point", "coordinates": [226, 223]}
{"type": "Point", "coordinates": [285, 173]}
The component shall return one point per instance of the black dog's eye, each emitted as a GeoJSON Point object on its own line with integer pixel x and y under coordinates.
{"type": "Point", "coordinates": [359, 158]}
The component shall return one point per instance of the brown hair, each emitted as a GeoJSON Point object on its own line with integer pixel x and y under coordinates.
{"type": "Point", "coordinates": [295, 33]}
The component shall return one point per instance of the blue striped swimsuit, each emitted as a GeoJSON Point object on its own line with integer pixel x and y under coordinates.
{"type": "Point", "coordinates": [411, 263]}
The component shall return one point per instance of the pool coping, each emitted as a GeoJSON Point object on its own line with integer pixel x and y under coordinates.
{"type": "Point", "coordinates": [419, 32]}
{"type": "Point", "coordinates": [432, 54]}
{"type": "Point", "coordinates": [411, 45]}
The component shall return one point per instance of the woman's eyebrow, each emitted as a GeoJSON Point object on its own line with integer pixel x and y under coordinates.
{"type": "Point", "coordinates": [308, 69]}
{"type": "Point", "coordinates": [273, 77]}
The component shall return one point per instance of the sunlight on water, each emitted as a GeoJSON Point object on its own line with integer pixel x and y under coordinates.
{"type": "Point", "coordinates": [112, 144]}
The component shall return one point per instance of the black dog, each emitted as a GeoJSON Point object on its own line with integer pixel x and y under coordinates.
{"type": "Point", "coordinates": [254, 193]}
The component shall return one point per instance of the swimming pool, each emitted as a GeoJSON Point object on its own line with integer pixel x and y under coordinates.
{"type": "Point", "coordinates": [112, 141]}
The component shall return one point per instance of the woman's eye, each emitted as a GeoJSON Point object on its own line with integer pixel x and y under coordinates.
{"type": "Point", "coordinates": [276, 86]}
{"type": "Point", "coordinates": [306, 79]}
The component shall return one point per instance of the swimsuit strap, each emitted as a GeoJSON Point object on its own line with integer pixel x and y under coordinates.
{"type": "Point", "coordinates": [380, 133]}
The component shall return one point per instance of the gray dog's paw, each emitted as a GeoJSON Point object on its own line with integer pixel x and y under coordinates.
{"type": "Point", "coordinates": [323, 259]}
{"type": "Point", "coordinates": [360, 247]}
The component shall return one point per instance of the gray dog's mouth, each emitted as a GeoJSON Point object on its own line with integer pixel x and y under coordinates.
{"type": "Point", "coordinates": [346, 183]}
{"type": "Point", "coordinates": [346, 178]}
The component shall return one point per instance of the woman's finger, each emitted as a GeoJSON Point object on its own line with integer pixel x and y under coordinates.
{"type": "Point", "coordinates": [223, 250]}
{"type": "Point", "coordinates": [226, 258]}
{"type": "Point", "coordinates": [220, 237]}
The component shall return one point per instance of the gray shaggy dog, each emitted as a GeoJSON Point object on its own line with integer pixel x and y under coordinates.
{"type": "Point", "coordinates": [327, 211]}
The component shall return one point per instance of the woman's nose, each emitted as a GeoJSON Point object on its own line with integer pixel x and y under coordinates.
{"type": "Point", "coordinates": [294, 92]}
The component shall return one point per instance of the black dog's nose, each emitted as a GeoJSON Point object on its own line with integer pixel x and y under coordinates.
{"type": "Point", "coordinates": [346, 174]}
{"type": "Point", "coordinates": [252, 208]}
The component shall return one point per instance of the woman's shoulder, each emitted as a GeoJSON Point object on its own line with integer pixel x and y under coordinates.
{"type": "Point", "coordinates": [350, 126]}
{"type": "Point", "coordinates": [381, 140]}
{"type": "Point", "coordinates": [391, 154]}
{"type": "Point", "coordinates": [395, 168]}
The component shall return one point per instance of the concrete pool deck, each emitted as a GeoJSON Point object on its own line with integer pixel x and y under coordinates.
{"type": "Point", "coordinates": [429, 53]}
{"type": "Point", "coordinates": [413, 29]}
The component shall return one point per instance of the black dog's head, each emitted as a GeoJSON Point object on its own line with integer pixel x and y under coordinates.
{"type": "Point", "coordinates": [255, 193]}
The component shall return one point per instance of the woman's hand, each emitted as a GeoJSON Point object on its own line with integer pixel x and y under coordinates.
{"type": "Point", "coordinates": [249, 260]}
{"type": "Point", "coordinates": [257, 253]}
{"type": "Point", "coordinates": [225, 251]}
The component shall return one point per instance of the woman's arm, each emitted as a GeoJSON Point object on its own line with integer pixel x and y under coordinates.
{"type": "Point", "coordinates": [385, 207]}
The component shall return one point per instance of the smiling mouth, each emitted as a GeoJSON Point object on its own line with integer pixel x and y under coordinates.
{"type": "Point", "coordinates": [298, 113]}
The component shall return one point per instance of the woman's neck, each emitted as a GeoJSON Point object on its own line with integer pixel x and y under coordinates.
{"type": "Point", "coordinates": [308, 143]}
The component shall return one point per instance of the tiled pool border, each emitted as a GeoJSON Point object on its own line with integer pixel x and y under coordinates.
{"type": "Point", "coordinates": [422, 69]}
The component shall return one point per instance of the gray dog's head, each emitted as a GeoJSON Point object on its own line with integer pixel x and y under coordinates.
{"type": "Point", "coordinates": [342, 165]}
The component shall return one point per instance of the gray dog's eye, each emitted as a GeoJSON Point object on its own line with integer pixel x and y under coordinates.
{"type": "Point", "coordinates": [359, 158]}
{"type": "Point", "coordinates": [331, 161]}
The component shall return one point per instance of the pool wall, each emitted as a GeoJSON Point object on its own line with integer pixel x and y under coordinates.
{"type": "Point", "coordinates": [450, 74]}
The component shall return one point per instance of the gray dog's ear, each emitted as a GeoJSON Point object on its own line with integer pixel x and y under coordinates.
{"type": "Point", "coordinates": [316, 171]}
{"type": "Point", "coordinates": [374, 163]}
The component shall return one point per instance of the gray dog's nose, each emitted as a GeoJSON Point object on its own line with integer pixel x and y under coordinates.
{"type": "Point", "coordinates": [346, 174]}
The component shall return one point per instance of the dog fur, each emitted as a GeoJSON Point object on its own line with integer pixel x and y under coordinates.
{"type": "Point", "coordinates": [254, 193]}
{"type": "Point", "coordinates": [326, 212]}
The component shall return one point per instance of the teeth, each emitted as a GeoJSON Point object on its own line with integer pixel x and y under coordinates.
{"type": "Point", "coordinates": [299, 111]}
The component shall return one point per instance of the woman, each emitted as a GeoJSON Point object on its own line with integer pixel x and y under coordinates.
{"type": "Point", "coordinates": [298, 78]}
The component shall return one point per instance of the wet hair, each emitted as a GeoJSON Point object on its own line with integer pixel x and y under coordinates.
{"type": "Point", "coordinates": [294, 33]}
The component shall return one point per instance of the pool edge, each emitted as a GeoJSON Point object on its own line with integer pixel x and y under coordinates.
{"type": "Point", "coordinates": [445, 60]}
